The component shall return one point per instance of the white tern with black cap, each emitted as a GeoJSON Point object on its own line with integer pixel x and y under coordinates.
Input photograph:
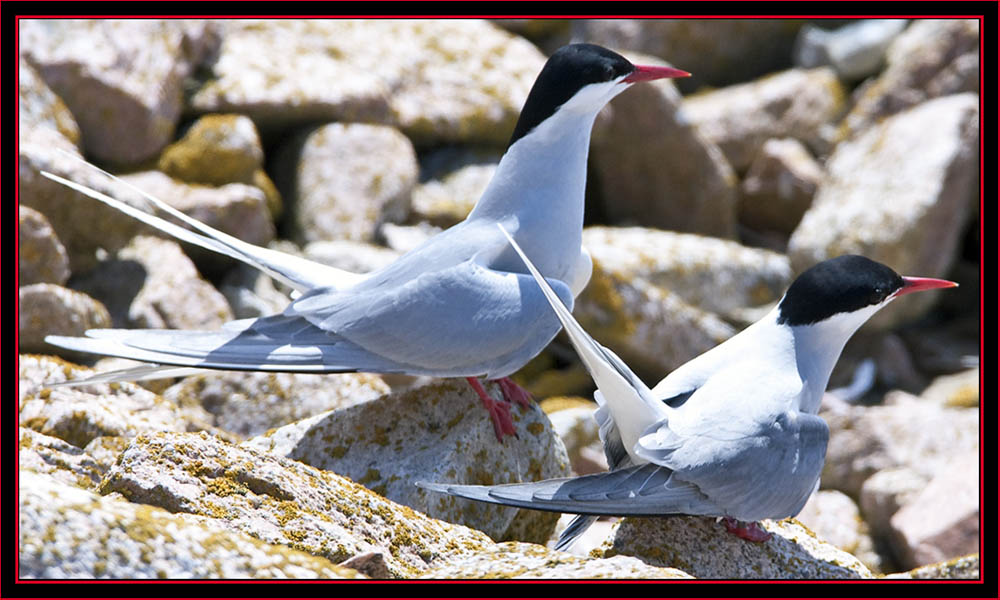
{"type": "Point", "coordinates": [733, 433]}
{"type": "Point", "coordinates": [459, 305]}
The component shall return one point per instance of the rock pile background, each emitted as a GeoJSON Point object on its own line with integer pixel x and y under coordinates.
{"type": "Point", "coordinates": [350, 141]}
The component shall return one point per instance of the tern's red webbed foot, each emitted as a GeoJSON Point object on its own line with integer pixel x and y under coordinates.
{"type": "Point", "coordinates": [499, 410]}
{"type": "Point", "coordinates": [513, 392]}
{"type": "Point", "coordinates": [752, 532]}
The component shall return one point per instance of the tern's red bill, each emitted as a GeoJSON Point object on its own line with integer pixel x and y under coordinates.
{"type": "Point", "coordinates": [648, 73]}
{"type": "Point", "coordinates": [919, 284]}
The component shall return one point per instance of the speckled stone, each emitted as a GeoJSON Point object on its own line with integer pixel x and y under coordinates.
{"type": "Point", "coordinates": [69, 533]}
{"type": "Point", "coordinates": [653, 167]}
{"type": "Point", "coordinates": [930, 59]}
{"type": "Point", "coordinates": [836, 519]}
{"type": "Point", "coordinates": [151, 284]}
{"type": "Point", "coordinates": [446, 201]}
{"type": "Point", "coordinates": [78, 415]}
{"type": "Point", "coordinates": [61, 460]}
{"type": "Point", "coordinates": [439, 433]}
{"type": "Point", "coordinates": [122, 79]}
{"type": "Point", "coordinates": [349, 180]}
{"type": "Point", "coordinates": [514, 560]}
{"type": "Point", "coordinates": [283, 501]}
{"type": "Point", "coordinates": [779, 186]}
{"type": "Point", "coordinates": [703, 548]}
{"type": "Point", "coordinates": [248, 404]}
{"type": "Point", "coordinates": [922, 167]}
{"type": "Point", "coordinates": [966, 567]}
{"type": "Point", "coordinates": [41, 257]}
{"type": "Point", "coordinates": [50, 309]}
{"type": "Point", "coordinates": [439, 80]}
{"type": "Point", "coordinates": [797, 103]}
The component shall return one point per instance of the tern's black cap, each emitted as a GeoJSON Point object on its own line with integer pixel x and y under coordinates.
{"type": "Point", "coordinates": [839, 285]}
{"type": "Point", "coordinates": [567, 71]}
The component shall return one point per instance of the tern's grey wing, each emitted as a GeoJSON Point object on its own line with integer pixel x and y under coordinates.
{"type": "Point", "coordinates": [465, 319]}
{"type": "Point", "coordinates": [767, 470]}
{"type": "Point", "coordinates": [646, 490]}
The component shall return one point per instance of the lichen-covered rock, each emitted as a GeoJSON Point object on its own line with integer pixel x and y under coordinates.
{"type": "Point", "coordinates": [942, 520]}
{"type": "Point", "coordinates": [439, 433]}
{"type": "Point", "coordinates": [695, 45]}
{"type": "Point", "coordinates": [78, 415]}
{"type": "Point", "coordinates": [855, 51]}
{"type": "Point", "coordinates": [901, 194]}
{"type": "Point", "coordinates": [931, 58]}
{"type": "Point", "coordinates": [966, 567]}
{"type": "Point", "coordinates": [446, 201]}
{"type": "Point", "coordinates": [798, 104]}
{"type": "Point", "coordinates": [283, 501]}
{"type": "Point", "coordinates": [248, 404]}
{"type": "Point", "coordinates": [576, 427]}
{"type": "Point", "coordinates": [63, 461]}
{"type": "Point", "coordinates": [349, 179]}
{"type": "Point", "coordinates": [960, 390]}
{"type": "Point", "coordinates": [69, 533]}
{"type": "Point", "coordinates": [654, 168]}
{"type": "Point", "coordinates": [779, 186]}
{"type": "Point", "coordinates": [514, 560]}
{"type": "Point", "coordinates": [122, 79]}
{"type": "Point", "coordinates": [151, 284]}
{"type": "Point", "coordinates": [835, 519]}
{"type": "Point", "coordinates": [40, 108]}
{"type": "Point", "coordinates": [438, 80]}
{"type": "Point", "coordinates": [703, 548]}
{"type": "Point", "coordinates": [41, 257]}
{"type": "Point", "coordinates": [221, 149]}
{"type": "Point", "coordinates": [919, 435]}
{"type": "Point", "coordinates": [49, 309]}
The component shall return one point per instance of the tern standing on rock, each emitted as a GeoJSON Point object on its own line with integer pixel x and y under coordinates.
{"type": "Point", "coordinates": [732, 433]}
{"type": "Point", "coordinates": [459, 305]}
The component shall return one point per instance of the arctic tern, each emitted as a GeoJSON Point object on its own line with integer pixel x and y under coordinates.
{"type": "Point", "coordinates": [459, 305]}
{"type": "Point", "coordinates": [733, 433]}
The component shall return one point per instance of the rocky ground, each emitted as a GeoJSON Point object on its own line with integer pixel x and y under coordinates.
{"type": "Point", "coordinates": [350, 141]}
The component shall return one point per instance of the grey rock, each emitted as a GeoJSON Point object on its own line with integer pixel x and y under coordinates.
{"type": "Point", "coordinates": [921, 165]}
{"type": "Point", "coordinates": [70, 533]}
{"type": "Point", "coordinates": [884, 493]}
{"type": "Point", "coordinates": [122, 79]}
{"type": "Point", "coordinates": [439, 80]}
{"type": "Point", "coordinates": [248, 404]}
{"type": "Point", "coordinates": [78, 415]}
{"type": "Point", "coordinates": [340, 190]}
{"type": "Point", "coordinates": [151, 284]}
{"type": "Point", "coordinates": [439, 433]}
{"type": "Point", "coordinates": [282, 501]}
{"type": "Point", "coordinates": [40, 108]}
{"type": "Point", "coordinates": [49, 309]}
{"type": "Point", "coordinates": [578, 430]}
{"type": "Point", "coordinates": [693, 44]}
{"type": "Point", "coordinates": [779, 186]}
{"type": "Point", "coordinates": [654, 168]}
{"type": "Point", "coordinates": [835, 519]}
{"type": "Point", "coordinates": [896, 369]}
{"type": "Point", "coordinates": [855, 51]}
{"type": "Point", "coordinates": [356, 257]}
{"type": "Point", "coordinates": [966, 567]}
{"type": "Point", "coordinates": [63, 461]}
{"type": "Point", "coordinates": [910, 433]}
{"type": "Point", "coordinates": [941, 521]}
{"type": "Point", "coordinates": [251, 294]}
{"type": "Point", "coordinates": [513, 560]}
{"type": "Point", "coordinates": [798, 103]}
{"type": "Point", "coordinates": [932, 58]}
{"type": "Point", "coordinates": [41, 257]}
{"type": "Point", "coordinates": [701, 547]}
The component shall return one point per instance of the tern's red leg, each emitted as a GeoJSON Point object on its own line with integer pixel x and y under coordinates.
{"type": "Point", "coordinates": [513, 392]}
{"type": "Point", "coordinates": [752, 532]}
{"type": "Point", "coordinates": [499, 411]}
